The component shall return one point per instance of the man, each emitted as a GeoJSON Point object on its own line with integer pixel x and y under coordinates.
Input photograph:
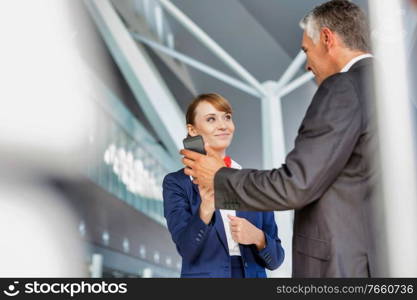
{"type": "Point", "coordinates": [326, 177]}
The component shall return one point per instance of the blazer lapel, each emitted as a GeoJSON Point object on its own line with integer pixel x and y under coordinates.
{"type": "Point", "coordinates": [195, 187]}
{"type": "Point", "coordinates": [218, 221]}
{"type": "Point", "coordinates": [219, 226]}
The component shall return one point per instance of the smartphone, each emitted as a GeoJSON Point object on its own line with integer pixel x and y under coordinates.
{"type": "Point", "coordinates": [195, 143]}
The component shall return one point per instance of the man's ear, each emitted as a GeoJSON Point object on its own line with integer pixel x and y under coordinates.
{"type": "Point", "coordinates": [327, 37]}
{"type": "Point", "coordinates": [191, 130]}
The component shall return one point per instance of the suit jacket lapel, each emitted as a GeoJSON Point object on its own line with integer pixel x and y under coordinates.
{"type": "Point", "coordinates": [219, 226]}
{"type": "Point", "coordinates": [195, 187]}
{"type": "Point", "coordinates": [218, 221]}
{"type": "Point", "coordinates": [195, 199]}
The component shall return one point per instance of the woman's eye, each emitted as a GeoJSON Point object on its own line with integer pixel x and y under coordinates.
{"type": "Point", "coordinates": [228, 117]}
{"type": "Point", "coordinates": [211, 119]}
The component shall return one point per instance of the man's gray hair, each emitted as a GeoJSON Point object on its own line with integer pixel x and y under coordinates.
{"type": "Point", "coordinates": [342, 17]}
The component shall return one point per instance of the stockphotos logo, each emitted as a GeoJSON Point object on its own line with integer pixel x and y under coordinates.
{"type": "Point", "coordinates": [71, 289]}
{"type": "Point", "coordinates": [11, 289]}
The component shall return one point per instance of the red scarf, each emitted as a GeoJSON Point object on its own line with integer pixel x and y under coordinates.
{"type": "Point", "coordinates": [228, 161]}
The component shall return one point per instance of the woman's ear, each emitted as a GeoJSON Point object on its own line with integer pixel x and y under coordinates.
{"type": "Point", "coordinates": [191, 130]}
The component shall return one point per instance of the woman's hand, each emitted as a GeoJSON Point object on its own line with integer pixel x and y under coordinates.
{"type": "Point", "coordinates": [207, 204]}
{"type": "Point", "coordinates": [245, 233]}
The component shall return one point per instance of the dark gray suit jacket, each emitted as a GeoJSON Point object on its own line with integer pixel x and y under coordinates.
{"type": "Point", "coordinates": [326, 178]}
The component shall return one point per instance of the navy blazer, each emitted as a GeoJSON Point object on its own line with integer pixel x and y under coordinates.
{"type": "Point", "coordinates": [204, 248]}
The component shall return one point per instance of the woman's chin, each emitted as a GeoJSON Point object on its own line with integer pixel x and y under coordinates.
{"type": "Point", "coordinates": [218, 147]}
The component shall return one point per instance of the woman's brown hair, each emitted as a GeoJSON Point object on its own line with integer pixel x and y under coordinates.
{"type": "Point", "coordinates": [216, 100]}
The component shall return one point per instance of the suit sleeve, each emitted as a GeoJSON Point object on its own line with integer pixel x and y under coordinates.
{"type": "Point", "coordinates": [273, 253]}
{"type": "Point", "coordinates": [188, 231]}
{"type": "Point", "coordinates": [325, 141]}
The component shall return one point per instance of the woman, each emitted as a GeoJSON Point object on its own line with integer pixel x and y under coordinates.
{"type": "Point", "coordinates": [217, 243]}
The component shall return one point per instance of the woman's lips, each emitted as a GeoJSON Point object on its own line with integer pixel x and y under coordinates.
{"type": "Point", "coordinates": [223, 136]}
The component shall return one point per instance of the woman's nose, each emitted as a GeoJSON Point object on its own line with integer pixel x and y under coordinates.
{"type": "Point", "coordinates": [221, 124]}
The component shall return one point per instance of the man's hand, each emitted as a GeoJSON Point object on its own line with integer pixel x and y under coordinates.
{"type": "Point", "coordinates": [202, 167]}
{"type": "Point", "coordinates": [245, 233]}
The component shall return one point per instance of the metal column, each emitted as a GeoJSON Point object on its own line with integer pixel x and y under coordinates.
{"type": "Point", "coordinates": [150, 90]}
{"type": "Point", "coordinates": [397, 150]}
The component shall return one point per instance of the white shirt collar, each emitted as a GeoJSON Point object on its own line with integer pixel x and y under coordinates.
{"type": "Point", "coordinates": [235, 165]}
{"type": "Point", "coordinates": [355, 60]}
